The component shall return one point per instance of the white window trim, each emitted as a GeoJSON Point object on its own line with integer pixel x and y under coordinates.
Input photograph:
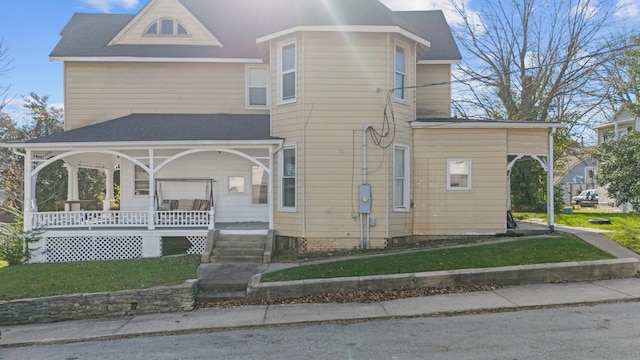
{"type": "Point", "coordinates": [247, 86]}
{"type": "Point", "coordinates": [407, 178]}
{"type": "Point", "coordinates": [228, 184]}
{"type": "Point", "coordinates": [158, 23]}
{"type": "Point", "coordinates": [459, 188]}
{"type": "Point", "coordinates": [281, 45]}
{"type": "Point", "coordinates": [280, 178]}
{"type": "Point", "coordinates": [405, 48]}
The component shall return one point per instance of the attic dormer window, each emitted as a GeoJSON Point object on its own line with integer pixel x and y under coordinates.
{"type": "Point", "coordinates": [166, 27]}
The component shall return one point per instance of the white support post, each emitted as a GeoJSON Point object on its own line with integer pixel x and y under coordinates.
{"type": "Point", "coordinates": [550, 196]}
{"type": "Point", "coordinates": [29, 192]}
{"type": "Point", "coordinates": [109, 197]}
{"type": "Point", "coordinates": [73, 194]}
{"type": "Point", "coordinates": [152, 191]}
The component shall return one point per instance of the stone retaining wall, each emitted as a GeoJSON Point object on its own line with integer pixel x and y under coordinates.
{"type": "Point", "coordinates": [162, 299]}
{"type": "Point", "coordinates": [510, 275]}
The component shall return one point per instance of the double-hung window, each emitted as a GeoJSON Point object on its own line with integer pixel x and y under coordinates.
{"type": "Point", "coordinates": [287, 81]}
{"type": "Point", "coordinates": [288, 171]}
{"type": "Point", "coordinates": [458, 174]}
{"type": "Point", "coordinates": [257, 92]}
{"type": "Point", "coordinates": [401, 161]}
{"type": "Point", "coordinates": [400, 73]}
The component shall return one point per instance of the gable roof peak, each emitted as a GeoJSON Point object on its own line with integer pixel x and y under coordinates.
{"type": "Point", "coordinates": [192, 31]}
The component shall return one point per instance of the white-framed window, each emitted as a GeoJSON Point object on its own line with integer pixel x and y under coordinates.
{"type": "Point", "coordinates": [259, 185]}
{"type": "Point", "coordinates": [235, 185]}
{"type": "Point", "coordinates": [257, 86]}
{"type": "Point", "coordinates": [400, 73]}
{"type": "Point", "coordinates": [401, 172]}
{"type": "Point", "coordinates": [140, 181]}
{"type": "Point", "coordinates": [166, 27]}
{"type": "Point", "coordinates": [287, 178]}
{"type": "Point", "coordinates": [287, 73]}
{"type": "Point", "coordinates": [458, 174]}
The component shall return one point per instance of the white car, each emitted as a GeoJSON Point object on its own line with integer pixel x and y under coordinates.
{"type": "Point", "coordinates": [586, 198]}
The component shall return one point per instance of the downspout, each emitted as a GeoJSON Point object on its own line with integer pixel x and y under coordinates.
{"type": "Point", "coordinates": [364, 242]}
{"type": "Point", "coordinates": [550, 197]}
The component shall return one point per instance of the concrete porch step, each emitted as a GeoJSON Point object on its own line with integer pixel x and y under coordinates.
{"type": "Point", "coordinates": [251, 244]}
{"type": "Point", "coordinates": [236, 259]}
{"type": "Point", "coordinates": [225, 252]}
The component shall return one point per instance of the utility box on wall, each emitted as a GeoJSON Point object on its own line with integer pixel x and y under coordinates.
{"type": "Point", "coordinates": [365, 199]}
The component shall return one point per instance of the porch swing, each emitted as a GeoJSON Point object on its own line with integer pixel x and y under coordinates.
{"type": "Point", "coordinates": [183, 197]}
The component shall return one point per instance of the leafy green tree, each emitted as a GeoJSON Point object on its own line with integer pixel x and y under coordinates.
{"type": "Point", "coordinates": [619, 169]}
{"type": "Point", "coordinates": [42, 120]}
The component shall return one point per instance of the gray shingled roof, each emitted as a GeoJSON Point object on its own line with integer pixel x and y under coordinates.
{"type": "Point", "coordinates": [238, 23]}
{"type": "Point", "coordinates": [140, 128]}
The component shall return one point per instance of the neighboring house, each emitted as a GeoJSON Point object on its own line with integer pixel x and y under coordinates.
{"type": "Point", "coordinates": [621, 123]}
{"type": "Point", "coordinates": [578, 173]}
{"type": "Point", "coordinates": [326, 121]}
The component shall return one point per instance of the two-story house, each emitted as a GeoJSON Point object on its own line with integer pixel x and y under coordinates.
{"type": "Point", "coordinates": [324, 122]}
{"type": "Point", "coordinates": [619, 125]}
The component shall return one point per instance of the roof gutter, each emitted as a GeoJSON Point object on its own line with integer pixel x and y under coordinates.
{"type": "Point", "coordinates": [155, 59]}
{"type": "Point", "coordinates": [142, 145]}
{"type": "Point", "coordinates": [346, 28]}
{"type": "Point", "coordinates": [484, 125]}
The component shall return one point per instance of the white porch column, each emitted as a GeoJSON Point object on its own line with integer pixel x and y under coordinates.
{"type": "Point", "coordinates": [29, 192]}
{"type": "Point", "coordinates": [109, 197]}
{"type": "Point", "coordinates": [152, 191]}
{"type": "Point", "coordinates": [73, 193]}
{"type": "Point", "coordinates": [550, 197]}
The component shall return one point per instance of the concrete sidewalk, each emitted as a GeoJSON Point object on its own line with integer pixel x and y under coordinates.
{"type": "Point", "coordinates": [213, 319]}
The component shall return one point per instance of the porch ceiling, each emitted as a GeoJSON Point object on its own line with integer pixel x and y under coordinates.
{"type": "Point", "coordinates": [145, 129]}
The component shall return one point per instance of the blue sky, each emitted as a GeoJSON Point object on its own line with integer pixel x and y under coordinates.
{"type": "Point", "coordinates": [30, 30]}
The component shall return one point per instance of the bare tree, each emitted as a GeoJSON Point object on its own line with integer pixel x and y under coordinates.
{"type": "Point", "coordinates": [622, 73]}
{"type": "Point", "coordinates": [6, 65]}
{"type": "Point", "coordinates": [531, 60]}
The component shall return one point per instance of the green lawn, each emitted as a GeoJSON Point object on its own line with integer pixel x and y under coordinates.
{"type": "Point", "coordinates": [625, 227]}
{"type": "Point", "coordinates": [522, 252]}
{"type": "Point", "coordinates": [38, 280]}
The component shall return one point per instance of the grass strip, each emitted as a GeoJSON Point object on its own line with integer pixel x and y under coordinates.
{"type": "Point", "coordinates": [48, 279]}
{"type": "Point", "coordinates": [521, 252]}
{"type": "Point", "coordinates": [624, 228]}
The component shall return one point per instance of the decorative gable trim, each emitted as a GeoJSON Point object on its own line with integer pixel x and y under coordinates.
{"type": "Point", "coordinates": [134, 33]}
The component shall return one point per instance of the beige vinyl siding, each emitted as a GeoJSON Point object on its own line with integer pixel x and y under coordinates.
{"type": "Point", "coordinates": [286, 123]}
{"type": "Point", "coordinates": [337, 95]}
{"type": "Point", "coordinates": [481, 210]}
{"type": "Point", "coordinates": [528, 141]}
{"type": "Point", "coordinates": [101, 91]}
{"type": "Point", "coordinates": [433, 101]}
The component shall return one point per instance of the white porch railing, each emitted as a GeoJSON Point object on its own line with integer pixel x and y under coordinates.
{"type": "Point", "coordinates": [115, 219]}
{"type": "Point", "coordinates": [187, 218]}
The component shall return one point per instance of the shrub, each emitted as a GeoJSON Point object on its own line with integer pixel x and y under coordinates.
{"type": "Point", "coordinates": [15, 246]}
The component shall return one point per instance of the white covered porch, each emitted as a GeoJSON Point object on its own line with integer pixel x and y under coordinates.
{"type": "Point", "coordinates": [184, 179]}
